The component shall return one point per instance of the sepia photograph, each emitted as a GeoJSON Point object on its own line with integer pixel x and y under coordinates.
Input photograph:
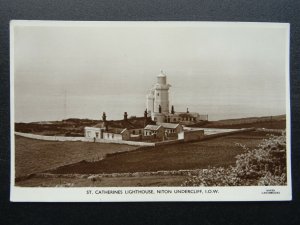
{"type": "Point", "coordinates": [149, 111]}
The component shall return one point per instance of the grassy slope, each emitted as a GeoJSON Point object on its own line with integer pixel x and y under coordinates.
{"type": "Point", "coordinates": [274, 122]}
{"type": "Point", "coordinates": [214, 152]}
{"type": "Point", "coordinates": [33, 156]}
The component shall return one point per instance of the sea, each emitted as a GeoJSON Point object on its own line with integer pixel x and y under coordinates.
{"type": "Point", "coordinates": [55, 108]}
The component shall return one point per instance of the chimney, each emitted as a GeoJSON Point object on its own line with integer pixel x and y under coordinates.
{"type": "Point", "coordinates": [125, 115]}
{"type": "Point", "coordinates": [145, 118]}
{"type": "Point", "coordinates": [172, 110]}
{"type": "Point", "coordinates": [104, 117]}
{"type": "Point", "coordinates": [105, 125]}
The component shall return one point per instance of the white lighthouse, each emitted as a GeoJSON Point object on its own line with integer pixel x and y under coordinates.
{"type": "Point", "coordinates": [161, 94]}
{"type": "Point", "coordinates": [158, 98]}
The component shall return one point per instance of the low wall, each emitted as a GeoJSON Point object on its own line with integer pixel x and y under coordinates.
{"type": "Point", "coordinates": [168, 142]}
{"type": "Point", "coordinates": [278, 131]}
{"type": "Point", "coordinates": [135, 143]}
{"type": "Point", "coordinates": [62, 138]}
{"type": "Point", "coordinates": [50, 138]}
{"type": "Point", "coordinates": [227, 133]}
{"type": "Point", "coordinates": [128, 174]}
{"type": "Point", "coordinates": [252, 120]}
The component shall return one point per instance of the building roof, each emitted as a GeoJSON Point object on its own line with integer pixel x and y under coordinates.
{"type": "Point", "coordinates": [115, 131]}
{"type": "Point", "coordinates": [152, 127]}
{"type": "Point", "coordinates": [99, 125]}
{"type": "Point", "coordinates": [170, 125]}
{"type": "Point", "coordinates": [131, 123]}
{"type": "Point", "coordinates": [184, 114]}
{"type": "Point", "coordinates": [92, 128]}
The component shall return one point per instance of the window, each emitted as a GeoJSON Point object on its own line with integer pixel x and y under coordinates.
{"type": "Point", "coordinates": [157, 94]}
{"type": "Point", "coordinates": [133, 132]}
{"type": "Point", "coordinates": [140, 131]}
{"type": "Point", "coordinates": [97, 135]}
{"type": "Point", "coordinates": [112, 135]}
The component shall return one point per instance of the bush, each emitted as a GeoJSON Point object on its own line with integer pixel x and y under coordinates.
{"type": "Point", "coordinates": [264, 165]}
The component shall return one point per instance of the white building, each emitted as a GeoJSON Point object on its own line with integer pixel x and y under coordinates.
{"type": "Point", "coordinates": [163, 123]}
{"type": "Point", "coordinates": [157, 103]}
{"type": "Point", "coordinates": [172, 128]}
{"type": "Point", "coordinates": [155, 131]}
{"type": "Point", "coordinates": [126, 129]}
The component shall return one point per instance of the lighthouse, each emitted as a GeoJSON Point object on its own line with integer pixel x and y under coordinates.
{"type": "Point", "coordinates": [157, 102]}
{"type": "Point", "coordinates": [161, 94]}
{"type": "Point", "coordinates": [158, 97]}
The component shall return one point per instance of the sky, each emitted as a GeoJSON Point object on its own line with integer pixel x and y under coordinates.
{"type": "Point", "coordinates": [79, 70]}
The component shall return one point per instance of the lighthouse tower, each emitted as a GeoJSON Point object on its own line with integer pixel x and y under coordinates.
{"type": "Point", "coordinates": [161, 94]}
{"type": "Point", "coordinates": [150, 102]}
{"type": "Point", "coordinates": [157, 100]}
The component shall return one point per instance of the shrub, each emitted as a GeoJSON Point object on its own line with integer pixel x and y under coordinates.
{"type": "Point", "coordinates": [264, 165]}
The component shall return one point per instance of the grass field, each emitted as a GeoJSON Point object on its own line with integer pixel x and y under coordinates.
{"type": "Point", "coordinates": [34, 156]}
{"type": "Point", "coordinates": [210, 153]}
{"type": "Point", "coordinates": [274, 122]}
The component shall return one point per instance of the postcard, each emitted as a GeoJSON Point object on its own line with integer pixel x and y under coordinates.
{"type": "Point", "coordinates": [149, 111]}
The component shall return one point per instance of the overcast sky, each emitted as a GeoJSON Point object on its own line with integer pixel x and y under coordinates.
{"type": "Point", "coordinates": [225, 70]}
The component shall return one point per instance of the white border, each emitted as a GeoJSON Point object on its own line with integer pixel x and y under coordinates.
{"type": "Point", "coordinates": [253, 193]}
